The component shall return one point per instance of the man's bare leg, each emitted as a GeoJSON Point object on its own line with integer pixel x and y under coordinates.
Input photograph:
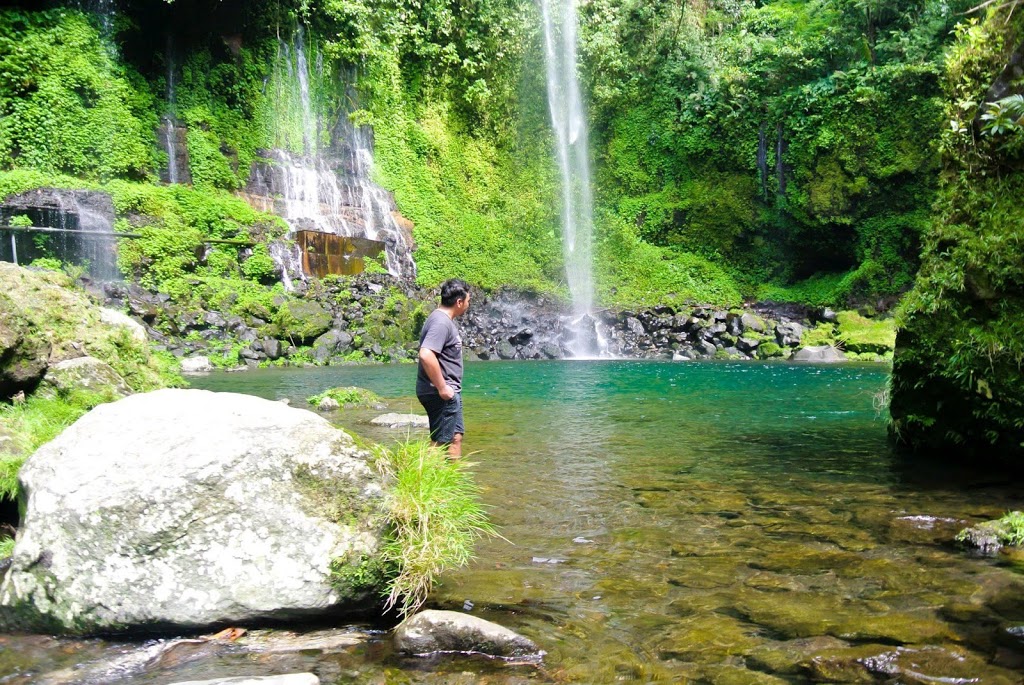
{"type": "Point", "coordinates": [455, 448]}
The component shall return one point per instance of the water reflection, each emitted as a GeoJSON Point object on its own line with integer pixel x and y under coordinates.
{"type": "Point", "coordinates": [713, 522]}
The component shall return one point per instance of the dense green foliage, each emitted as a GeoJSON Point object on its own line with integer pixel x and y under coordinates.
{"type": "Point", "coordinates": [841, 97]}
{"type": "Point", "coordinates": [66, 104]}
{"type": "Point", "coordinates": [957, 381]}
{"type": "Point", "coordinates": [173, 222]}
{"type": "Point", "coordinates": [778, 149]}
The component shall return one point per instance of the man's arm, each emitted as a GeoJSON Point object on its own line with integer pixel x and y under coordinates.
{"type": "Point", "coordinates": [432, 367]}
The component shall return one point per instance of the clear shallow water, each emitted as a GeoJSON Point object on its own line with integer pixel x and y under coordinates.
{"type": "Point", "coordinates": [717, 522]}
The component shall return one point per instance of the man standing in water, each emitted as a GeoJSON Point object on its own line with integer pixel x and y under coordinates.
{"type": "Point", "coordinates": [439, 379]}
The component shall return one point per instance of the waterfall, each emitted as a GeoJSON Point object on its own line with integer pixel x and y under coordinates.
{"type": "Point", "coordinates": [572, 151]}
{"type": "Point", "coordinates": [105, 11]}
{"type": "Point", "coordinates": [327, 190]}
{"type": "Point", "coordinates": [762, 161]}
{"type": "Point", "coordinates": [170, 131]}
{"type": "Point", "coordinates": [310, 142]}
{"type": "Point", "coordinates": [73, 226]}
{"type": "Point", "coordinates": [780, 167]}
{"type": "Point", "coordinates": [96, 247]}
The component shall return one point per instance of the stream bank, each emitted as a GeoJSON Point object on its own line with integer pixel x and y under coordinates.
{"type": "Point", "coordinates": [374, 317]}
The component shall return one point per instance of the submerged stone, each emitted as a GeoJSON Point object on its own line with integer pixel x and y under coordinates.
{"type": "Point", "coordinates": [392, 420]}
{"type": "Point", "coordinates": [450, 631]}
{"type": "Point", "coordinates": [924, 665]}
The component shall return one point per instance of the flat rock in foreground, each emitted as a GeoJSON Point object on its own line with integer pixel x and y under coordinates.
{"type": "Point", "coordinates": [187, 509]}
{"type": "Point", "coordinates": [450, 631]}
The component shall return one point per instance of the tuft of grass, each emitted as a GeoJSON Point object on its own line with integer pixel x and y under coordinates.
{"type": "Point", "coordinates": [1012, 528]}
{"type": "Point", "coordinates": [6, 547]}
{"type": "Point", "coordinates": [350, 396]}
{"type": "Point", "coordinates": [1008, 529]}
{"type": "Point", "coordinates": [434, 515]}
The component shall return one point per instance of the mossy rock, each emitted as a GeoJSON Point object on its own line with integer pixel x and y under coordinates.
{"type": "Point", "coordinates": [822, 334]}
{"type": "Point", "coordinates": [989, 537]}
{"type": "Point", "coordinates": [862, 335]}
{"type": "Point", "coordinates": [44, 307]}
{"type": "Point", "coordinates": [302, 320]}
{"type": "Point", "coordinates": [349, 397]}
{"type": "Point", "coordinates": [769, 350]}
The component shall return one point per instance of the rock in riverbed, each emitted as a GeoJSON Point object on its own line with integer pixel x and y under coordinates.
{"type": "Point", "coordinates": [288, 679]}
{"type": "Point", "coordinates": [184, 509]}
{"type": "Point", "coordinates": [450, 631]}
{"type": "Point", "coordinates": [393, 420]}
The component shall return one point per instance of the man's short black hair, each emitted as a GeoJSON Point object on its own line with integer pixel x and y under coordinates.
{"type": "Point", "coordinates": [452, 290]}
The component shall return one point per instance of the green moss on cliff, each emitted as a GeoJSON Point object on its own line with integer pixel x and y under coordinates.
{"type": "Point", "coordinates": [859, 335]}
{"type": "Point", "coordinates": [958, 372]}
{"type": "Point", "coordinates": [66, 102]}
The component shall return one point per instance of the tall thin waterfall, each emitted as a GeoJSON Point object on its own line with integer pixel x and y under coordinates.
{"type": "Point", "coordinates": [170, 131]}
{"type": "Point", "coordinates": [105, 11]}
{"type": "Point", "coordinates": [95, 247]}
{"type": "Point", "coordinates": [568, 120]}
{"type": "Point", "coordinates": [309, 124]}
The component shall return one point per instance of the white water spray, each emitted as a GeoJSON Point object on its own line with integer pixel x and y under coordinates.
{"type": "Point", "coordinates": [568, 120]}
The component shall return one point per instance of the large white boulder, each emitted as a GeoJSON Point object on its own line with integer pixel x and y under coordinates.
{"type": "Point", "coordinates": [112, 317]}
{"type": "Point", "coordinates": [186, 508]}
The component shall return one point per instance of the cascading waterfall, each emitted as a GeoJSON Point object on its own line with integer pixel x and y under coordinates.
{"type": "Point", "coordinates": [572, 151]}
{"type": "Point", "coordinates": [329, 191]}
{"type": "Point", "coordinates": [73, 227]}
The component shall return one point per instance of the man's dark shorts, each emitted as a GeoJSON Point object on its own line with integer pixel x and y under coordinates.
{"type": "Point", "coordinates": [445, 417]}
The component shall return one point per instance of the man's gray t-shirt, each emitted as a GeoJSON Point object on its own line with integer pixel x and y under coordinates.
{"type": "Point", "coordinates": [441, 336]}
